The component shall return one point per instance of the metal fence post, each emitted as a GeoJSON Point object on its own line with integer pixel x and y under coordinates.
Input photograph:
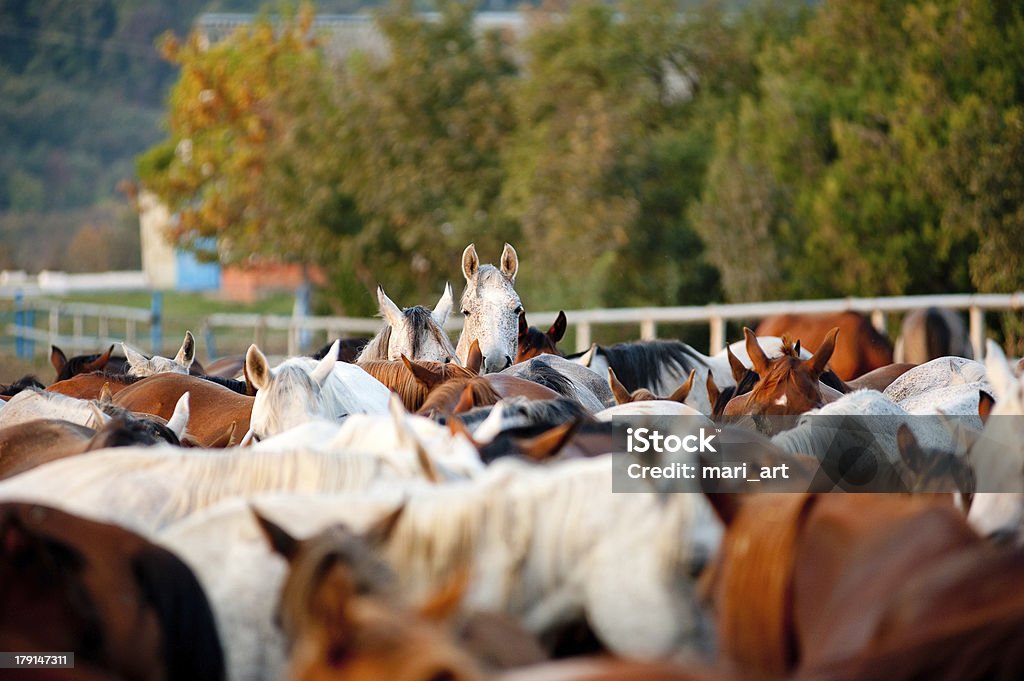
{"type": "Point", "coordinates": [582, 336]}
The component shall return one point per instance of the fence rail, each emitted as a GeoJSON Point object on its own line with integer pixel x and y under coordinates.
{"type": "Point", "coordinates": [102, 319]}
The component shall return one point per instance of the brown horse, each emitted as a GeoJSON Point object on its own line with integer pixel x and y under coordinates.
{"type": "Point", "coordinates": [26, 445]}
{"type": "Point", "coordinates": [462, 394]}
{"type": "Point", "coordinates": [343, 619]}
{"type": "Point", "coordinates": [860, 348]}
{"type": "Point", "coordinates": [89, 385]}
{"type": "Point", "coordinates": [533, 341]}
{"type": "Point", "coordinates": [66, 368]}
{"type": "Point", "coordinates": [219, 415]}
{"type": "Point", "coordinates": [412, 380]}
{"type": "Point", "coordinates": [786, 384]}
{"type": "Point", "coordinates": [624, 396]}
{"type": "Point", "coordinates": [879, 586]}
{"type": "Point", "coordinates": [122, 604]}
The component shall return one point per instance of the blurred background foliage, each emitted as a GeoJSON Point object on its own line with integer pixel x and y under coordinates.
{"type": "Point", "coordinates": [635, 153]}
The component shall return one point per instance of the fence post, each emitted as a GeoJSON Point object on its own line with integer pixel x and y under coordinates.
{"type": "Point", "coordinates": [879, 322]}
{"type": "Point", "coordinates": [648, 330]}
{"type": "Point", "coordinates": [717, 340]}
{"type": "Point", "coordinates": [208, 340]}
{"type": "Point", "coordinates": [54, 324]}
{"type": "Point", "coordinates": [156, 322]}
{"type": "Point", "coordinates": [582, 336]}
{"type": "Point", "coordinates": [19, 323]}
{"type": "Point", "coordinates": [976, 317]}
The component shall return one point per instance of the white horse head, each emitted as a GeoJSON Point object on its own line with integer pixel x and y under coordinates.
{"type": "Point", "coordinates": [140, 365]}
{"type": "Point", "coordinates": [289, 395]}
{"type": "Point", "coordinates": [491, 307]}
{"type": "Point", "coordinates": [416, 332]}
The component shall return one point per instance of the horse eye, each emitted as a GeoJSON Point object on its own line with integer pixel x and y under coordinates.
{"type": "Point", "coordinates": [465, 313]}
{"type": "Point", "coordinates": [519, 310]}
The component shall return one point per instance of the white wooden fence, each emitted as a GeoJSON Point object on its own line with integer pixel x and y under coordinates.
{"type": "Point", "coordinates": [109, 321]}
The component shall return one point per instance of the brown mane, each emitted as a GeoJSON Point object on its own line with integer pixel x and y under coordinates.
{"type": "Point", "coordinates": [410, 387]}
{"type": "Point", "coordinates": [447, 398]}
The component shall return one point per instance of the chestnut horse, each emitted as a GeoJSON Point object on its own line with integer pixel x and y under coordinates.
{"type": "Point", "coordinates": [864, 586]}
{"type": "Point", "coordinates": [219, 416]}
{"type": "Point", "coordinates": [121, 603]}
{"type": "Point", "coordinates": [787, 384]}
{"type": "Point", "coordinates": [342, 616]}
{"type": "Point", "coordinates": [860, 348]}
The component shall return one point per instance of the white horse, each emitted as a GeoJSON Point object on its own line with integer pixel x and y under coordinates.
{"type": "Point", "coordinates": [139, 365]}
{"type": "Point", "coordinates": [491, 309]}
{"type": "Point", "coordinates": [416, 332]}
{"type": "Point", "coordinates": [301, 389]}
{"type": "Point", "coordinates": [545, 545]}
{"type": "Point", "coordinates": [147, 488]}
{"type": "Point", "coordinates": [29, 405]}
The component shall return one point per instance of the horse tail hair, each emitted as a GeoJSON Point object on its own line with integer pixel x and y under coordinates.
{"type": "Point", "coordinates": [190, 642]}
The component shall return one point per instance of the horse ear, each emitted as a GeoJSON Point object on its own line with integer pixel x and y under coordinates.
{"type": "Point", "coordinates": [466, 400]}
{"type": "Point", "coordinates": [985, 404]}
{"type": "Point", "coordinates": [424, 375]}
{"type": "Point", "coordinates": [326, 365]}
{"type": "Point", "coordinates": [470, 262]}
{"type": "Point", "coordinates": [509, 262]}
{"type": "Point", "coordinates": [223, 440]}
{"type": "Point", "coordinates": [58, 359]}
{"type": "Point", "coordinates": [457, 426]}
{"type": "Point", "coordinates": [98, 363]}
{"type": "Point", "coordinates": [475, 359]}
{"type": "Point", "coordinates": [443, 307]}
{"type": "Point", "coordinates": [443, 604]}
{"type": "Point", "coordinates": [106, 395]}
{"type": "Point", "coordinates": [179, 419]}
{"type": "Point", "coordinates": [557, 330]}
{"type": "Point", "coordinates": [257, 371]}
{"type": "Point", "coordinates": [997, 369]}
{"type": "Point", "coordinates": [548, 443]}
{"type": "Point", "coordinates": [278, 538]}
{"type": "Point", "coordinates": [187, 353]}
{"type": "Point", "coordinates": [682, 392]}
{"type": "Point", "coordinates": [391, 313]}
{"type": "Point", "coordinates": [735, 365]}
{"type": "Point", "coordinates": [136, 360]}
{"type": "Point", "coordinates": [758, 359]}
{"type": "Point", "coordinates": [796, 349]}
{"type": "Point", "coordinates": [816, 364]}
{"type": "Point", "coordinates": [587, 358]}
{"type": "Point", "coordinates": [619, 391]}
{"type": "Point", "coordinates": [713, 392]}
{"type": "Point", "coordinates": [910, 450]}
{"type": "Point", "coordinates": [380, 531]}
{"type": "Point", "coordinates": [524, 327]}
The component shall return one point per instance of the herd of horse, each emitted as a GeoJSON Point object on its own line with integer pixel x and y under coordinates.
{"type": "Point", "coordinates": [410, 509]}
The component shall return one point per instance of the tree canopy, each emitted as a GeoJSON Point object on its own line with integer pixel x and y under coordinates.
{"type": "Point", "coordinates": [634, 153]}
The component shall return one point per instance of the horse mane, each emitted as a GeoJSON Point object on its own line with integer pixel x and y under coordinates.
{"type": "Point", "coordinates": [546, 375]}
{"type": "Point", "coordinates": [233, 384]}
{"type": "Point", "coordinates": [128, 429]}
{"type": "Point", "coordinates": [375, 349]}
{"type": "Point", "coordinates": [638, 364]}
{"type": "Point", "coordinates": [190, 642]}
{"type": "Point", "coordinates": [125, 379]}
{"type": "Point", "coordinates": [24, 383]}
{"type": "Point", "coordinates": [444, 397]}
{"type": "Point", "coordinates": [397, 377]}
{"type": "Point", "coordinates": [534, 413]}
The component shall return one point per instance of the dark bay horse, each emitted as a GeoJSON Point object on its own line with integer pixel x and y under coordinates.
{"type": "Point", "coordinates": [122, 604]}
{"type": "Point", "coordinates": [100, 361]}
{"type": "Point", "coordinates": [932, 333]}
{"type": "Point", "coordinates": [533, 341]}
{"type": "Point", "coordinates": [860, 347]}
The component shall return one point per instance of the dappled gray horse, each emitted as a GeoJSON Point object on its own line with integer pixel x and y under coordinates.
{"type": "Point", "coordinates": [415, 332]}
{"type": "Point", "coordinates": [491, 307]}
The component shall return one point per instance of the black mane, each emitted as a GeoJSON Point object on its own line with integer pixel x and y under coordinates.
{"type": "Point", "coordinates": [638, 364]}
